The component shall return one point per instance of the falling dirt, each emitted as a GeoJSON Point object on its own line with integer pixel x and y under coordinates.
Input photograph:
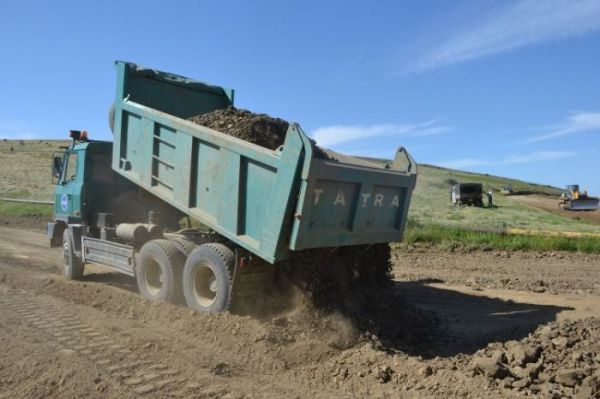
{"type": "Point", "coordinates": [99, 338]}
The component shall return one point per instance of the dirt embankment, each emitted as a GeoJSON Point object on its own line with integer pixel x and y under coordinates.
{"type": "Point", "coordinates": [552, 272]}
{"type": "Point", "coordinates": [32, 222]}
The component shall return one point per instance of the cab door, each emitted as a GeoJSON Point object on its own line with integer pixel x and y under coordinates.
{"type": "Point", "coordinates": [69, 191]}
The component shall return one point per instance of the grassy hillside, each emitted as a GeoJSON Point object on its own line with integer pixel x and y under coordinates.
{"type": "Point", "coordinates": [26, 174]}
{"type": "Point", "coordinates": [26, 168]}
{"type": "Point", "coordinates": [431, 204]}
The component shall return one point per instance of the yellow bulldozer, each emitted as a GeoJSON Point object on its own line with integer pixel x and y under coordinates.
{"type": "Point", "coordinates": [574, 200]}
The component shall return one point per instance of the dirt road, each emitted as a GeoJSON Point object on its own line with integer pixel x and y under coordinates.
{"type": "Point", "coordinates": [98, 338]}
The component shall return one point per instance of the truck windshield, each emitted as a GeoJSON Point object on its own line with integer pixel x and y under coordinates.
{"type": "Point", "coordinates": [470, 189]}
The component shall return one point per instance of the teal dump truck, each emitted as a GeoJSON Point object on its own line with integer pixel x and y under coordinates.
{"type": "Point", "coordinates": [121, 204]}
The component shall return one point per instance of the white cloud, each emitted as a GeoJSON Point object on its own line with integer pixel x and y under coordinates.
{"type": "Point", "coordinates": [328, 136]}
{"type": "Point", "coordinates": [538, 156]}
{"type": "Point", "coordinates": [515, 25]}
{"type": "Point", "coordinates": [577, 123]}
{"type": "Point", "coordinates": [16, 129]}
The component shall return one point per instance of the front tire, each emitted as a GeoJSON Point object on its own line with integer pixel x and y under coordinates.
{"type": "Point", "coordinates": [158, 271]}
{"type": "Point", "coordinates": [73, 267]}
{"type": "Point", "coordinates": [208, 278]}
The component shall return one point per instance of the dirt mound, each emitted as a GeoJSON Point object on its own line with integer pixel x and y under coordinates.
{"type": "Point", "coordinates": [557, 360]}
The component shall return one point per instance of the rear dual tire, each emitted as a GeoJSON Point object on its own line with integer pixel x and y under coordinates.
{"type": "Point", "coordinates": [204, 280]}
{"type": "Point", "coordinates": [208, 277]}
{"type": "Point", "coordinates": [158, 271]}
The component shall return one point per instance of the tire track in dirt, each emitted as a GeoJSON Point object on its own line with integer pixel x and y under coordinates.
{"type": "Point", "coordinates": [132, 371]}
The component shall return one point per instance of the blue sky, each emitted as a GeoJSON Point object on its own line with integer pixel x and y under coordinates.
{"type": "Point", "coordinates": [509, 88]}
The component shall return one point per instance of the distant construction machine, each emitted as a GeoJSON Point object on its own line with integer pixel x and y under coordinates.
{"type": "Point", "coordinates": [575, 200]}
{"type": "Point", "coordinates": [507, 190]}
{"type": "Point", "coordinates": [467, 194]}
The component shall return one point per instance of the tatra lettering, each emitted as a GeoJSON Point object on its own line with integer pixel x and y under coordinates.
{"type": "Point", "coordinates": [340, 199]}
{"type": "Point", "coordinates": [365, 198]}
{"type": "Point", "coordinates": [318, 192]}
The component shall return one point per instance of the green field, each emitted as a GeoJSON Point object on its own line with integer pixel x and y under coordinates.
{"type": "Point", "coordinates": [432, 218]}
{"type": "Point", "coordinates": [26, 167]}
{"type": "Point", "coordinates": [431, 205]}
{"type": "Point", "coordinates": [458, 238]}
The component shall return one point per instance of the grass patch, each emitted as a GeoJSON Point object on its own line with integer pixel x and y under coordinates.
{"type": "Point", "coordinates": [25, 210]}
{"type": "Point", "coordinates": [459, 238]}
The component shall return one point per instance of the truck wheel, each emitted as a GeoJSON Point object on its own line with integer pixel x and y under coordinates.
{"type": "Point", "coordinates": [158, 271]}
{"type": "Point", "coordinates": [184, 246]}
{"type": "Point", "coordinates": [73, 266]}
{"type": "Point", "coordinates": [207, 278]}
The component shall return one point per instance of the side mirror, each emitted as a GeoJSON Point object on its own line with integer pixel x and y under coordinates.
{"type": "Point", "coordinates": [57, 168]}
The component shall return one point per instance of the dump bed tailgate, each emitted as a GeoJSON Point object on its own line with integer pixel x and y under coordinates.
{"type": "Point", "coordinates": [343, 203]}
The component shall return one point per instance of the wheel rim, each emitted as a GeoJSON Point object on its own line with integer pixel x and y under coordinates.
{"type": "Point", "coordinates": [205, 285]}
{"type": "Point", "coordinates": [153, 277]}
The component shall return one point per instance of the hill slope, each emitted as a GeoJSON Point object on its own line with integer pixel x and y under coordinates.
{"type": "Point", "coordinates": [26, 174]}
{"type": "Point", "coordinates": [431, 204]}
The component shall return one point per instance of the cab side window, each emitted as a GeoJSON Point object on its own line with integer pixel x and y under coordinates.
{"type": "Point", "coordinates": [70, 170]}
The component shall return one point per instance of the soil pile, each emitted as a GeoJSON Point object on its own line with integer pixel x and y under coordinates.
{"type": "Point", "coordinates": [260, 129]}
{"type": "Point", "coordinates": [557, 360]}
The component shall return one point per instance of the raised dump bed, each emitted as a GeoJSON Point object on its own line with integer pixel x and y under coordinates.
{"type": "Point", "coordinates": [268, 202]}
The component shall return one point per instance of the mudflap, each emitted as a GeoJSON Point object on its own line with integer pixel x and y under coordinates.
{"type": "Point", "coordinates": [55, 233]}
{"type": "Point", "coordinates": [253, 285]}
{"type": "Point", "coordinates": [77, 231]}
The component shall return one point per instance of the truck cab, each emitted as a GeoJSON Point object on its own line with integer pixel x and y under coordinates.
{"type": "Point", "coordinates": [78, 174]}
